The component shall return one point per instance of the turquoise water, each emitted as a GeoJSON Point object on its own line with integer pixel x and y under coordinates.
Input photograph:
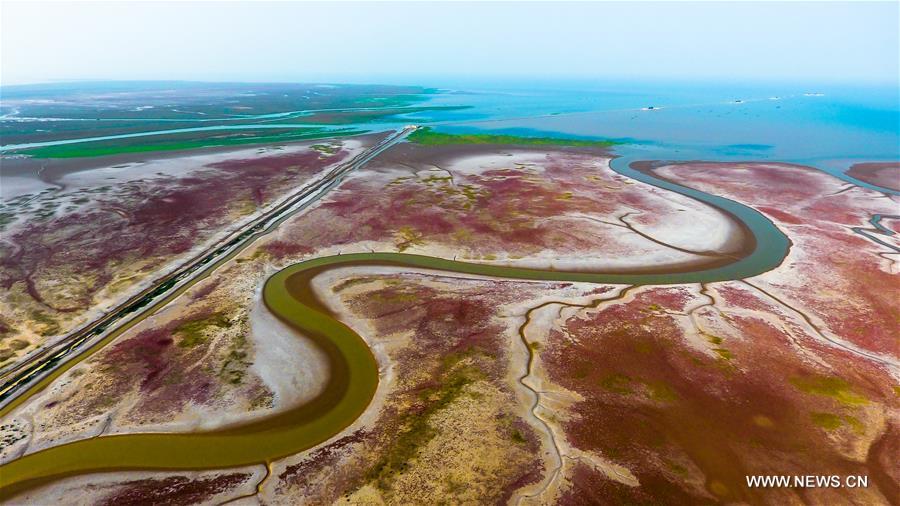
{"type": "Point", "coordinates": [828, 127]}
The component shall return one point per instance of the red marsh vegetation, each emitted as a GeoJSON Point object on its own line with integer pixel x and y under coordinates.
{"type": "Point", "coordinates": [54, 269]}
{"type": "Point", "coordinates": [690, 413]}
{"type": "Point", "coordinates": [840, 278]}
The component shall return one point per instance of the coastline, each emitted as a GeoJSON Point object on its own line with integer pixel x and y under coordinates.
{"type": "Point", "coordinates": [884, 174]}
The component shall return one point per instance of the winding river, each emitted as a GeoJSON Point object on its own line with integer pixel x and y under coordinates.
{"type": "Point", "coordinates": [354, 370]}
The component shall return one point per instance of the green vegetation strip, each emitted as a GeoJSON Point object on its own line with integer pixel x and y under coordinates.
{"type": "Point", "coordinates": [429, 137]}
{"type": "Point", "coordinates": [348, 117]}
{"type": "Point", "coordinates": [128, 145]}
{"type": "Point", "coordinates": [353, 370]}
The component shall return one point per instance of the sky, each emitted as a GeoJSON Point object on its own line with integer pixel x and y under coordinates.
{"type": "Point", "coordinates": [408, 42]}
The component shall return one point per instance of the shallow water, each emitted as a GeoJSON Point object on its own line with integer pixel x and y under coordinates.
{"type": "Point", "coordinates": [828, 128]}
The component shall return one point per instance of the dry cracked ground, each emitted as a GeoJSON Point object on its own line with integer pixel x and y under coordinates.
{"type": "Point", "coordinates": [497, 391]}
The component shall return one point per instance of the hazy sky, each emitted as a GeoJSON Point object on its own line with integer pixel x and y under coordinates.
{"type": "Point", "coordinates": [391, 42]}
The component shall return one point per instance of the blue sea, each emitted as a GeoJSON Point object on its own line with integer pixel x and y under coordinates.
{"type": "Point", "coordinates": [828, 127]}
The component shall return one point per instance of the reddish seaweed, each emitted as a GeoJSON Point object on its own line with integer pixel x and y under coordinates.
{"type": "Point", "coordinates": [145, 223]}
{"type": "Point", "coordinates": [172, 491]}
{"type": "Point", "coordinates": [838, 278]}
{"type": "Point", "coordinates": [693, 425]}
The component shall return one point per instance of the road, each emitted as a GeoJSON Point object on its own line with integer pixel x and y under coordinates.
{"type": "Point", "coordinates": [354, 375]}
{"type": "Point", "coordinates": [41, 368]}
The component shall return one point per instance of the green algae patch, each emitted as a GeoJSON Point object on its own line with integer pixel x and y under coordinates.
{"type": "Point", "coordinates": [724, 353]}
{"type": "Point", "coordinates": [236, 363]}
{"type": "Point", "coordinates": [676, 467]}
{"type": "Point", "coordinates": [350, 283]}
{"type": "Point", "coordinates": [395, 297]}
{"type": "Point", "coordinates": [718, 488]}
{"type": "Point", "coordinates": [652, 389]}
{"type": "Point", "coordinates": [418, 430]}
{"type": "Point", "coordinates": [855, 424]}
{"type": "Point", "coordinates": [408, 237]}
{"type": "Point", "coordinates": [827, 421]}
{"type": "Point", "coordinates": [6, 354]}
{"type": "Point", "coordinates": [830, 422]}
{"type": "Point", "coordinates": [616, 383]}
{"type": "Point", "coordinates": [644, 347]}
{"type": "Point", "coordinates": [436, 179]}
{"type": "Point", "coordinates": [18, 344]}
{"type": "Point", "coordinates": [325, 149]}
{"type": "Point", "coordinates": [661, 392]}
{"type": "Point", "coordinates": [195, 332]}
{"type": "Point", "coordinates": [49, 325]}
{"type": "Point", "coordinates": [830, 386]}
{"type": "Point", "coordinates": [450, 360]}
{"type": "Point", "coordinates": [518, 437]}
{"type": "Point", "coordinates": [429, 137]}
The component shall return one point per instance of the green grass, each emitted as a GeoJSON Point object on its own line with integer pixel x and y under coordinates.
{"type": "Point", "coordinates": [830, 386]}
{"type": "Point", "coordinates": [429, 137]}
